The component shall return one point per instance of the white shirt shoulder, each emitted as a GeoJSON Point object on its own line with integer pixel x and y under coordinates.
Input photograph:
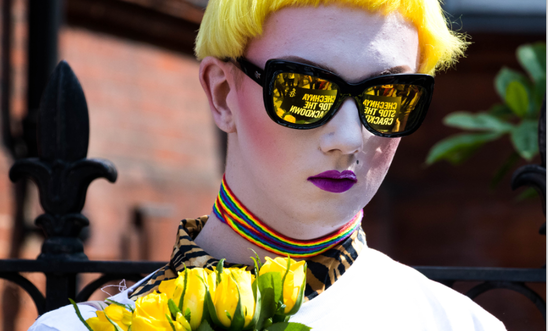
{"type": "Point", "coordinates": [378, 293]}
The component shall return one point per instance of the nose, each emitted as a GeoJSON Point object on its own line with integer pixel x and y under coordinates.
{"type": "Point", "coordinates": [344, 132]}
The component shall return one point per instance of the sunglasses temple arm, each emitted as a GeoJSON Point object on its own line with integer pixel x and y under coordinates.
{"type": "Point", "coordinates": [252, 71]}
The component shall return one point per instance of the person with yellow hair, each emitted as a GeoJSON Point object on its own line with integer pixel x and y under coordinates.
{"type": "Point", "coordinates": [315, 96]}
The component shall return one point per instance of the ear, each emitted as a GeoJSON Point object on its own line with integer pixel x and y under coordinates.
{"type": "Point", "coordinates": [217, 81]}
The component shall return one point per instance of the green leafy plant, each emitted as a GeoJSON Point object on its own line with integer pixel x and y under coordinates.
{"type": "Point", "coordinates": [517, 116]}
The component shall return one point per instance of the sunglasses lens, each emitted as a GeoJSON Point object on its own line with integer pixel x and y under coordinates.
{"type": "Point", "coordinates": [392, 108]}
{"type": "Point", "coordinates": [302, 99]}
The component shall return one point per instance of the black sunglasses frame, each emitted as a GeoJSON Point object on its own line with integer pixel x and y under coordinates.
{"type": "Point", "coordinates": [273, 67]}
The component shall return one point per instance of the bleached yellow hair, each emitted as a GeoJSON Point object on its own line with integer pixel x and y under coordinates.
{"type": "Point", "coordinates": [228, 26]}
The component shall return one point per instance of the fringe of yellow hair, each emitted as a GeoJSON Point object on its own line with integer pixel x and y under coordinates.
{"type": "Point", "coordinates": [228, 25]}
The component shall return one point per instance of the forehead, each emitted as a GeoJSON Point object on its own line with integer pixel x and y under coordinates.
{"type": "Point", "coordinates": [352, 42]}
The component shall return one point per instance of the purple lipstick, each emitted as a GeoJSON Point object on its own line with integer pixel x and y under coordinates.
{"type": "Point", "coordinates": [334, 181]}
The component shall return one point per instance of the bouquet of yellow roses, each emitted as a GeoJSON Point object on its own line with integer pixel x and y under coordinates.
{"type": "Point", "coordinates": [209, 300]}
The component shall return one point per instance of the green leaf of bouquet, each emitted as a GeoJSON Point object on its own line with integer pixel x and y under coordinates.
{"type": "Point", "coordinates": [255, 287]}
{"type": "Point", "coordinates": [267, 323]}
{"type": "Point", "coordinates": [110, 301]}
{"type": "Point", "coordinates": [532, 57]}
{"type": "Point", "coordinates": [280, 318]}
{"type": "Point", "coordinates": [219, 270]}
{"type": "Point", "coordinates": [280, 313]}
{"type": "Point", "coordinates": [525, 139]}
{"type": "Point", "coordinates": [116, 327]}
{"type": "Point", "coordinates": [456, 149]}
{"type": "Point", "coordinates": [504, 77]}
{"type": "Point", "coordinates": [187, 314]}
{"type": "Point", "coordinates": [257, 260]}
{"type": "Point", "coordinates": [204, 326]}
{"type": "Point", "coordinates": [288, 326]}
{"type": "Point", "coordinates": [478, 121]}
{"type": "Point", "coordinates": [211, 308]}
{"type": "Point", "coordinates": [271, 280]}
{"type": "Point", "coordinates": [80, 315]}
{"type": "Point", "coordinates": [205, 312]}
{"type": "Point", "coordinates": [173, 309]}
{"type": "Point", "coordinates": [288, 267]}
{"type": "Point", "coordinates": [270, 288]}
{"type": "Point", "coordinates": [517, 98]}
{"type": "Point", "coordinates": [253, 325]}
{"type": "Point", "coordinates": [267, 308]}
{"type": "Point", "coordinates": [181, 299]}
{"type": "Point", "coordinates": [170, 322]}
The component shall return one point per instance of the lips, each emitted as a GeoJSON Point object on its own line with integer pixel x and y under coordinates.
{"type": "Point", "coordinates": [334, 181]}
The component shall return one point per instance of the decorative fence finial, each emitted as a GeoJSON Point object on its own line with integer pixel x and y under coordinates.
{"type": "Point", "coordinates": [62, 172]}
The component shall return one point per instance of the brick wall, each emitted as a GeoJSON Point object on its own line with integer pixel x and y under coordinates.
{"type": "Point", "coordinates": [149, 116]}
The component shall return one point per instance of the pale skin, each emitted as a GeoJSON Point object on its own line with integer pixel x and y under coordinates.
{"type": "Point", "coordinates": [267, 164]}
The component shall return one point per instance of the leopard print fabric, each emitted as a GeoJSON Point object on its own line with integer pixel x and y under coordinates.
{"type": "Point", "coordinates": [323, 269]}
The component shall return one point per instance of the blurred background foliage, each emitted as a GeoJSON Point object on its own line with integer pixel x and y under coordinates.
{"type": "Point", "coordinates": [517, 116]}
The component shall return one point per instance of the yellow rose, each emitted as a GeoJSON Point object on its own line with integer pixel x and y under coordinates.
{"type": "Point", "coordinates": [150, 313]}
{"type": "Point", "coordinates": [194, 295]}
{"type": "Point", "coordinates": [120, 315]}
{"type": "Point", "coordinates": [225, 297]}
{"type": "Point", "coordinates": [116, 313]}
{"type": "Point", "coordinates": [211, 280]}
{"type": "Point", "coordinates": [293, 280]}
{"type": "Point", "coordinates": [173, 288]}
{"type": "Point", "coordinates": [100, 323]}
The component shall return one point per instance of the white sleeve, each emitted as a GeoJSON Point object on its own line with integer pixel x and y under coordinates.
{"type": "Point", "coordinates": [379, 294]}
{"type": "Point", "coordinates": [64, 319]}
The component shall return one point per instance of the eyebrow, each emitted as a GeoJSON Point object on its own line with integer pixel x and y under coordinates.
{"type": "Point", "coordinates": [394, 70]}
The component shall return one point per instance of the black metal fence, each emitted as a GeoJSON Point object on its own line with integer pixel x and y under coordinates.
{"type": "Point", "coordinates": [63, 173]}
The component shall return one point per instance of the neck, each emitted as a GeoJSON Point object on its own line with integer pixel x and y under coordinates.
{"type": "Point", "coordinates": [220, 241]}
{"type": "Point", "coordinates": [248, 231]}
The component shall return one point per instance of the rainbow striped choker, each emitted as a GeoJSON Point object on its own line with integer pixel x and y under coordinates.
{"type": "Point", "coordinates": [233, 213]}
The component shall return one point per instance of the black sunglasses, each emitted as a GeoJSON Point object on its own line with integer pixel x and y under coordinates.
{"type": "Point", "coordinates": [302, 96]}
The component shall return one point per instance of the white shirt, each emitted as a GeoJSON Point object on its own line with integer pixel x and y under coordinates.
{"type": "Point", "coordinates": [378, 293]}
{"type": "Point", "coordinates": [375, 294]}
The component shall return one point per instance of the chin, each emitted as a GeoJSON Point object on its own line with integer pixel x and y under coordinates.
{"type": "Point", "coordinates": [332, 214]}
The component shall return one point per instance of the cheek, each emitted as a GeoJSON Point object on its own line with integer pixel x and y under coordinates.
{"type": "Point", "coordinates": [385, 152]}
{"type": "Point", "coordinates": [377, 157]}
{"type": "Point", "coordinates": [257, 133]}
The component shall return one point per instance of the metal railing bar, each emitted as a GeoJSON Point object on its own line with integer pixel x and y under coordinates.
{"type": "Point", "coordinates": [59, 266]}
{"type": "Point", "coordinates": [33, 291]}
{"type": "Point", "coordinates": [484, 274]}
{"type": "Point", "coordinates": [513, 286]}
{"type": "Point", "coordinates": [525, 275]}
